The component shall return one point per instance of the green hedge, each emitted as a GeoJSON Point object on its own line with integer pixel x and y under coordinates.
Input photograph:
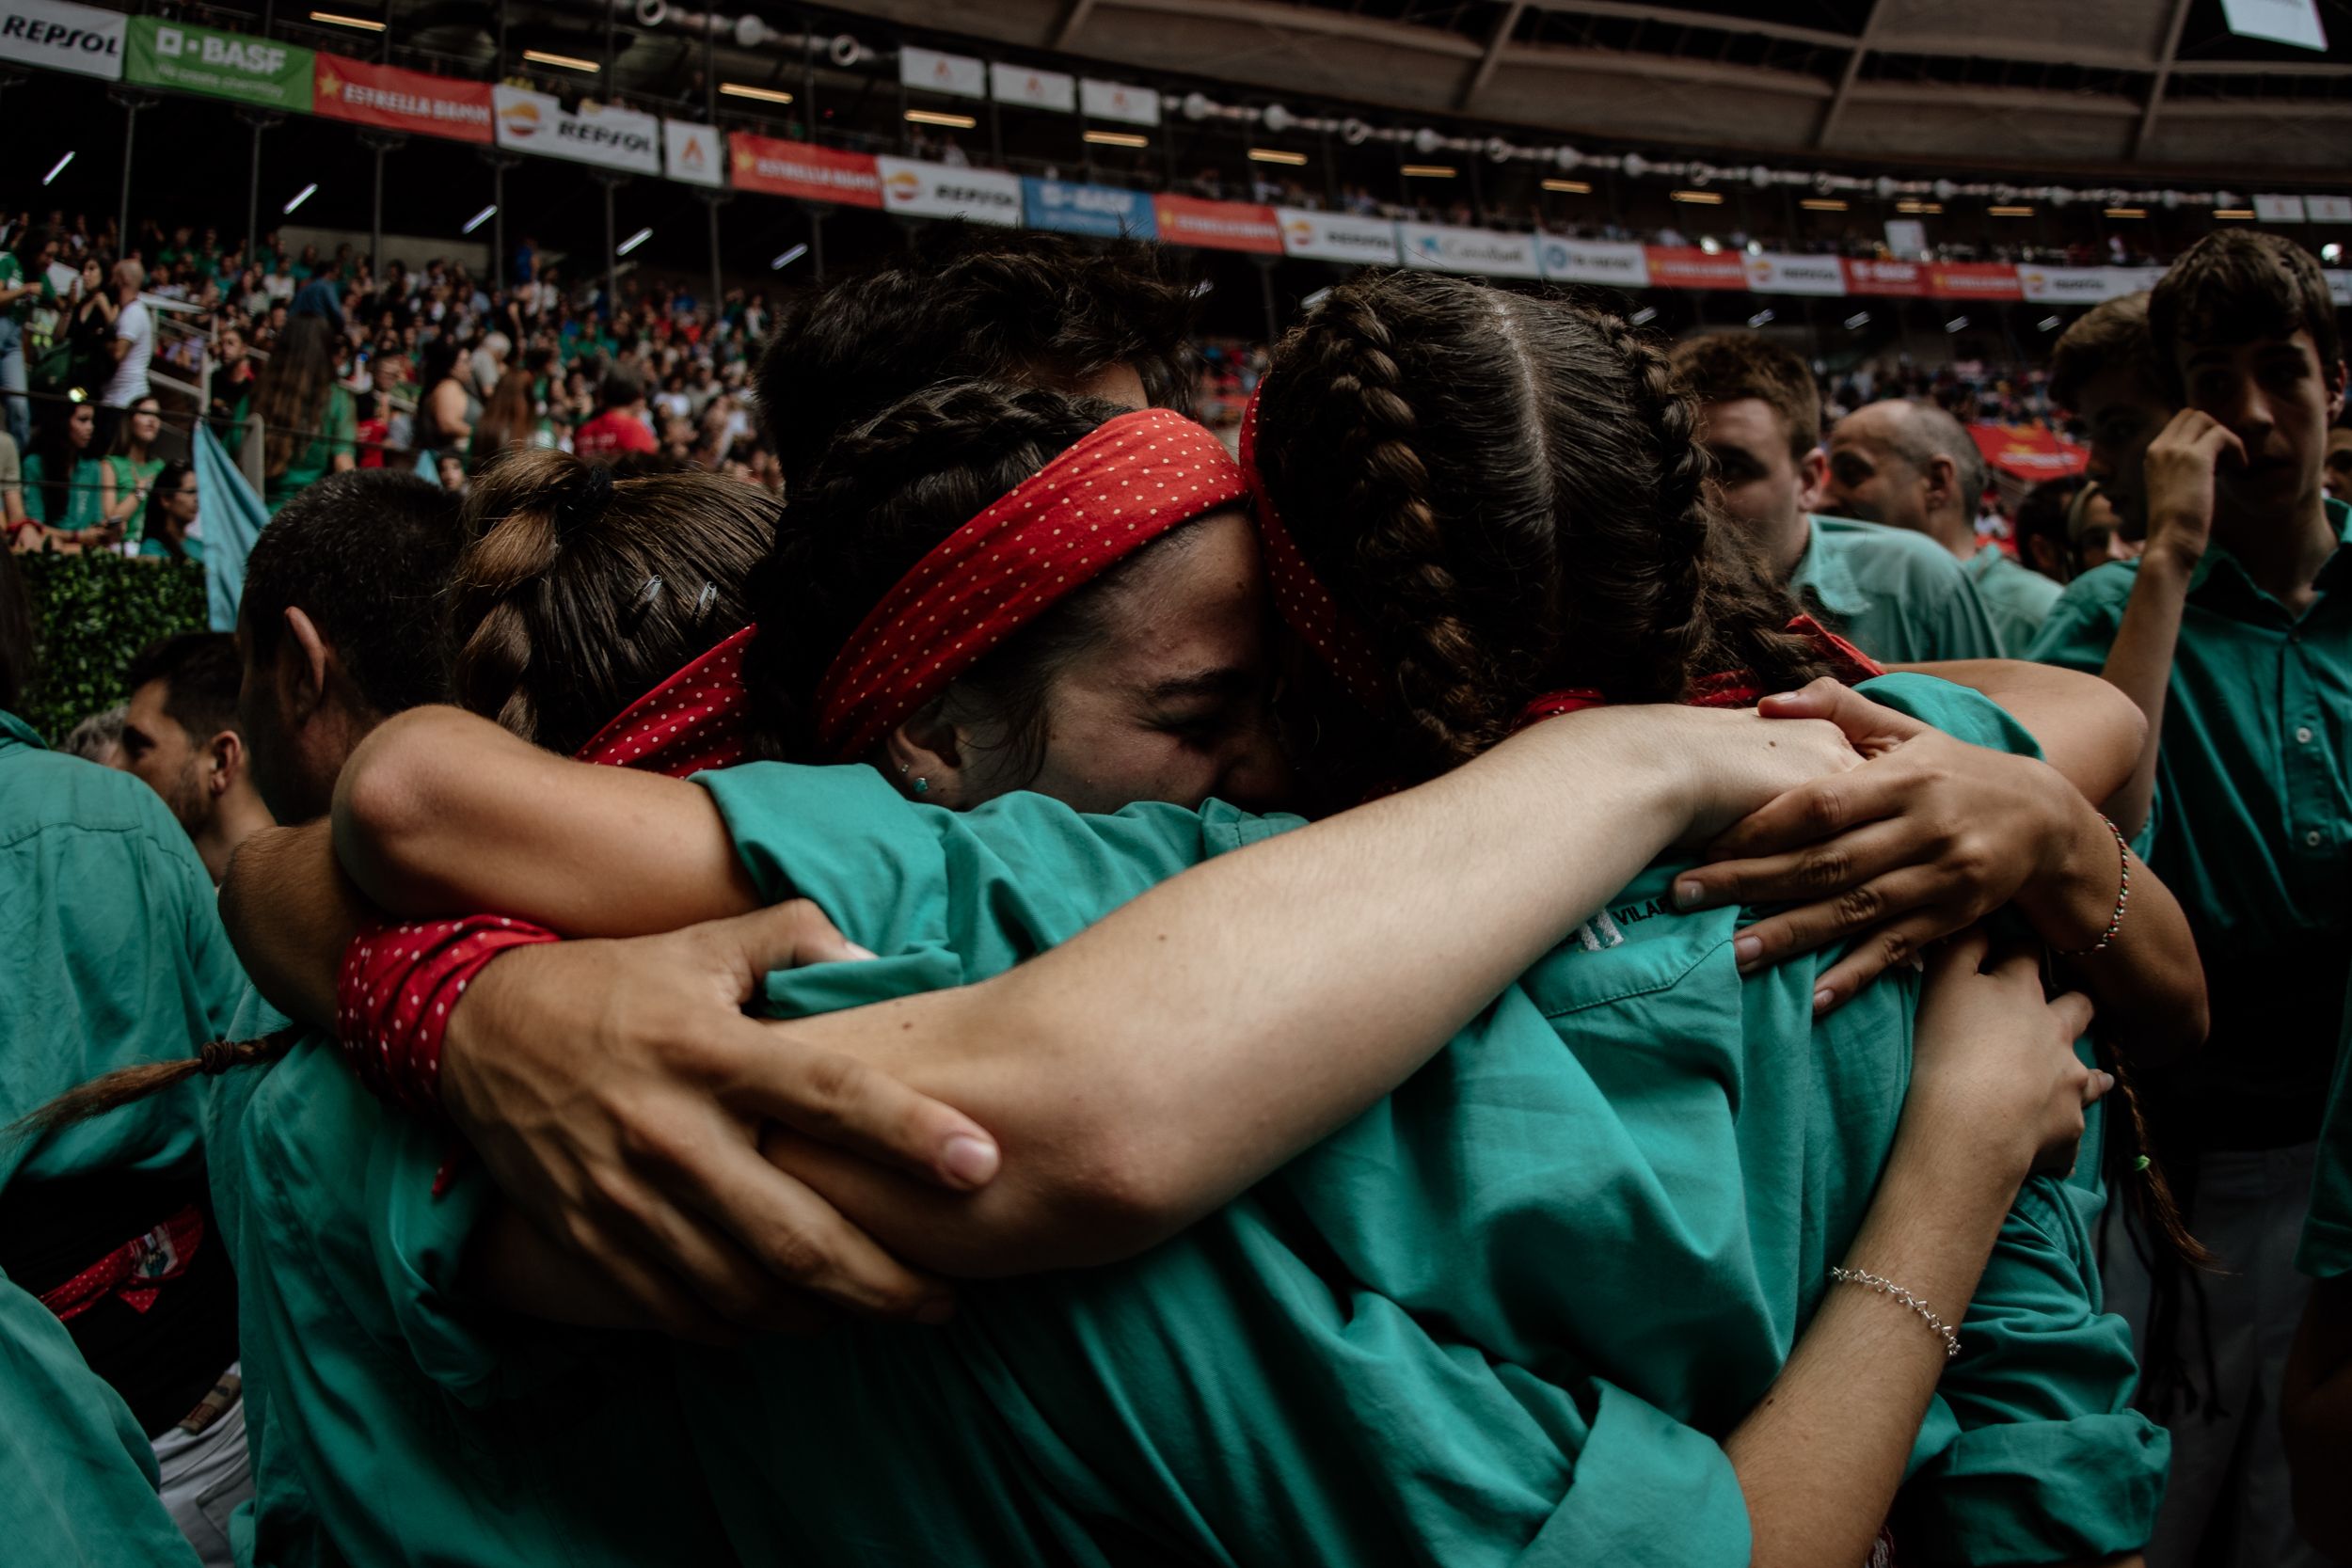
{"type": "Point", "coordinates": [92, 612]}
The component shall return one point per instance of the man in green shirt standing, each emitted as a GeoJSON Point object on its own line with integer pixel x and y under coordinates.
{"type": "Point", "coordinates": [1897, 596]}
{"type": "Point", "coordinates": [1910, 464]}
{"type": "Point", "coordinates": [2233, 634]}
{"type": "Point", "coordinates": [24, 284]}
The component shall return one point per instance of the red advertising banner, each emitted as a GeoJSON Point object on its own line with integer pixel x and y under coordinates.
{"type": "Point", "coordinates": [1974, 280]}
{"type": "Point", "coordinates": [398, 100]}
{"type": "Point", "coordinates": [1895, 279]}
{"type": "Point", "coordinates": [2028, 451]}
{"type": "Point", "coordinates": [1690, 267]}
{"type": "Point", "coordinates": [1217, 225]}
{"type": "Point", "coordinates": [797, 169]}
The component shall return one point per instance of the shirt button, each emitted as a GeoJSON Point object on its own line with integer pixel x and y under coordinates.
{"type": "Point", "coordinates": [2312, 838]}
{"type": "Point", "coordinates": [2303, 735]}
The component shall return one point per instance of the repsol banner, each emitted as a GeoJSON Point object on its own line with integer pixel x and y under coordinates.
{"type": "Point", "coordinates": [62, 37]}
{"type": "Point", "coordinates": [256, 70]}
{"type": "Point", "coordinates": [594, 133]}
{"type": "Point", "coordinates": [1337, 236]}
{"type": "Point", "coordinates": [919, 189]}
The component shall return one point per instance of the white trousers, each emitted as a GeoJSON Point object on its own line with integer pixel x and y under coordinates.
{"type": "Point", "coordinates": [204, 1476]}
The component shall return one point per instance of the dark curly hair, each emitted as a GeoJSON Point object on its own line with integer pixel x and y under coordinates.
{"type": "Point", "coordinates": [1030, 307]}
{"type": "Point", "coordinates": [2239, 286]}
{"type": "Point", "coordinates": [1504, 491]}
{"type": "Point", "coordinates": [886, 495]}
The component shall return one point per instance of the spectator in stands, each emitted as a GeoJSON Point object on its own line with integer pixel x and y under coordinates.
{"type": "Point", "coordinates": [1901, 597]}
{"type": "Point", "coordinates": [310, 425]}
{"type": "Point", "coordinates": [2096, 533]}
{"type": "Point", "coordinates": [2105, 369]}
{"type": "Point", "coordinates": [232, 382]}
{"type": "Point", "coordinates": [2041, 527]}
{"type": "Point", "coordinates": [130, 469]}
{"type": "Point", "coordinates": [171, 515]}
{"type": "Point", "coordinates": [24, 285]}
{"type": "Point", "coordinates": [509, 419]}
{"type": "Point", "coordinates": [2338, 477]}
{"type": "Point", "coordinates": [180, 734]}
{"type": "Point", "coordinates": [449, 470]}
{"type": "Point", "coordinates": [1909, 464]}
{"type": "Point", "coordinates": [133, 344]}
{"type": "Point", "coordinates": [447, 412]}
{"type": "Point", "coordinates": [2233, 634]}
{"type": "Point", "coordinates": [90, 330]}
{"type": "Point", "coordinates": [14, 520]}
{"type": "Point", "coordinates": [61, 482]}
{"type": "Point", "coordinates": [620, 423]}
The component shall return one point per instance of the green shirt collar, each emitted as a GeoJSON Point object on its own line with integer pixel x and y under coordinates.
{"type": "Point", "coordinates": [1830, 576]}
{"type": "Point", "coordinates": [2234, 580]}
{"type": "Point", "coordinates": [16, 730]}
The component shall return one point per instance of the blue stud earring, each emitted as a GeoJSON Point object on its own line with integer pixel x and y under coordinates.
{"type": "Point", "coordinates": [922, 787]}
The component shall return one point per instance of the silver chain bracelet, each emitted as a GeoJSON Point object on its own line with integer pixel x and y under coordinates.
{"type": "Point", "coordinates": [1870, 1281]}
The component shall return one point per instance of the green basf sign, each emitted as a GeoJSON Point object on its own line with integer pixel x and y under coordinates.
{"type": "Point", "coordinates": [258, 70]}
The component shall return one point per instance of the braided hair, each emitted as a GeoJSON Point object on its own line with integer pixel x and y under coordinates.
{"type": "Point", "coordinates": [1507, 493]}
{"type": "Point", "coordinates": [582, 587]}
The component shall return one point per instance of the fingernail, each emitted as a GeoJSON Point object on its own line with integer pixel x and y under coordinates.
{"type": "Point", "coordinates": [857, 952]}
{"type": "Point", "coordinates": [1746, 949]}
{"type": "Point", "coordinates": [936, 1311]}
{"type": "Point", "coordinates": [1823, 998]}
{"type": "Point", "coordinates": [2106, 1082]}
{"type": "Point", "coordinates": [1688, 893]}
{"type": "Point", "coordinates": [970, 1161]}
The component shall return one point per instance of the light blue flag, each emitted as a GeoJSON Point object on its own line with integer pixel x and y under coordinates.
{"type": "Point", "coordinates": [233, 518]}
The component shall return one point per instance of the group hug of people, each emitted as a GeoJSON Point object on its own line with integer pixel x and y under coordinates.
{"type": "Point", "coordinates": [1420, 995]}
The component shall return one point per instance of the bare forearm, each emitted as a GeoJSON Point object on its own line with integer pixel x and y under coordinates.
{"type": "Point", "coordinates": [2147, 983]}
{"type": "Point", "coordinates": [2086, 733]}
{"type": "Point", "coordinates": [291, 912]}
{"type": "Point", "coordinates": [2139, 665]}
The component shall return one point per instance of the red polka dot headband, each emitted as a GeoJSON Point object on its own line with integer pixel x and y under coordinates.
{"type": "Point", "coordinates": [1119, 488]}
{"type": "Point", "coordinates": [697, 719]}
{"type": "Point", "coordinates": [1306, 606]}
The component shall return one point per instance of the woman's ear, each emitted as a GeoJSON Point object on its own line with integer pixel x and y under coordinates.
{"type": "Point", "coordinates": [925, 759]}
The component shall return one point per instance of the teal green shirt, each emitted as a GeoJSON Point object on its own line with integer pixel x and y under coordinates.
{"type": "Point", "coordinates": [85, 507]}
{"type": "Point", "coordinates": [1895, 595]}
{"type": "Point", "coordinates": [2016, 597]}
{"type": "Point", "coordinates": [1506, 1316]}
{"type": "Point", "coordinates": [12, 276]}
{"type": "Point", "coordinates": [2253, 829]}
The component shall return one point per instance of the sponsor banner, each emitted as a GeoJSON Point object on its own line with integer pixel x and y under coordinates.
{"type": "Point", "coordinates": [2028, 451]}
{"type": "Point", "coordinates": [2083, 285]}
{"type": "Point", "coordinates": [1217, 225]}
{"type": "Point", "coordinates": [1482, 251]}
{"type": "Point", "coordinates": [938, 191]}
{"type": "Point", "coordinates": [1887, 279]}
{"type": "Point", "coordinates": [1690, 267]}
{"type": "Point", "coordinates": [63, 36]}
{"type": "Point", "coordinates": [692, 152]}
{"type": "Point", "coordinates": [2329, 209]}
{"type": "Point", "coordinates": [1037, 90]}
{"type": "Point", "coordinates": [256, 70]}
{"type": "Point", "coordinates": [2340, 286]}
{"type": "Point", "coordinates": [1771, 273]}
{"type": "Point", "coordinates": [1118, 101]}
{"type": "Point", "coordinates": [1972, 280]}
{"type": "Point", "coordinates": [959, 75]}
{"type": "Point", "coordinates": [1618, 264]}
{"type": "Point", "coordinates": [1337, 237]}
{"type": "Point", "coordinates": [598, 133]}
{"type": "Point", "coordinates": [1057, 204]}
{"type": "Point", "coordinates": [398, 100]}
{"type": "Point", "coordinates": [798, 168]}
{"type": "Point", "coordinates": [2279, 209]}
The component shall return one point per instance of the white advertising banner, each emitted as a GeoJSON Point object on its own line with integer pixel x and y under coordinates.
{"type": "Point", "coordinates": [694, 154]}
{"type": "Point", "coordinates": [596, 133]}
{"type": "Point", "coordinates": [1772, 274]}
{"type": "Point", "coordinates": [1615, 262]}
{"type": "Point", "coordinates": [2340, 286]}
{"type": "Point", "coordinates": [1337, 237]}
{"type": "Point", "coordinates": [2329, 209]}
{"type": "Point", "coordinates": [937, 191]}
{"type": "Point", "coordinates": [1037, 90]}
{"type": "Point", "coordinates": [2279, 209]}
{"type": "Point", "coordinates": [80, 39]}
{"type": "Point", "coordinates": [1482, 251]}
{"type": "Point", "coordinates": [933, 72]}
{"type": "Point", "coordinates": [2083, 285]}
{"type": "Point", "coordinates": [1118, 101]}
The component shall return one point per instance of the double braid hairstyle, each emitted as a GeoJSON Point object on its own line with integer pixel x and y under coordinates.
{"type": "Point", "coordinates": [888, 493]}
{"type": "Point", "coordinates": [582, 587]}
{"type": "Point", "coordinates": [1506, 492]}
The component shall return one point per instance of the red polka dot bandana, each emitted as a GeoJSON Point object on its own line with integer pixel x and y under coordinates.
{"type": "Point", "coordinates": [1119, 488]}
{"type": "Point", "coordinates": [136, 1272]}
{"type": "Point", "coordinates": [1307, 606]}
{"type": "Point", "coordinates": [697, 719]}
{"type": "Point", "coordinates": [1736, 688]}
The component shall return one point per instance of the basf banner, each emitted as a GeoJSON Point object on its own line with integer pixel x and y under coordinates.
{"type": "Point", "coordinates": [1482, 251]}
{"type": "Point", "coordinates": [398, 100]}
{"type": "Point", "coordinates": [937, 191]}
{"type": "Point", "coordinates": [80, 39]}
{"type": "Point", "coordinates": [1337, 237]}
{"type": "Point", "coordinates": [1617, 264]}
{"type": "Point", "coordinates": [256, 70]}
{"type": "Point", "coordinates": [1217, 225]}
{"type": "Point", "coordinates": [613, 138]}
{"type": "Point", "coordinates": [1769, 274]}
{"type": "Point", "coordinates": [691, 152]}
{"type": "Point", "coordinates": [1071, 209]}
{"type": "Point", "coordinates": [1118, 101]}
{"type": "Point", "coordinates": [798, 168]}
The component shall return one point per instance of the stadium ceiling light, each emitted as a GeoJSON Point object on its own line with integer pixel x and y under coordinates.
{"type": "Point", "coordinates": [58, 168]}
{"type": "Point", "coordinates": [2126, 211]}
{"type": "Point", "coordinates": [744, 89]}
{"type": "Point", "coordinates": [2051, 324]}
{"type": "Point", "coordinates": [1699, 198]}
{"type": "Point", "coordinates": [1822, 204]}
{"type": "Point", "coordinates": [1759, 318]}
{"type": "Point", "coordinates": [1958, 324]}
{"type": "Point", "coordinates": [2008, 211]}
{"type": "Point", "coordinates": [787, 258]}
{"type": "Point", "coordinates": [2330, 254]}
{"type": "Point", "coordinates": [1117, 138]}
{"type": "Point", "coordinates": [1276, 155]}
{"type": "Point", "coordinates": [300, 196]}
{"type": "Point", "coordinates": [1643, 317]}
{"type": "Point", "coordinates": [1856, 322]}
{"type": "Point", "coordinates": [2240, 212]}
{"type": "Point", "coordinates": [337, 19]}
{"type": "Point", "coordinates": [935, 117]}
{"type": "Point", "coordinates": [569, 63]}
{"type": "Point", "coordinates": [633, 242]}
{"type": "Point", "coordinates": [1919, 209]}
{"type": "Point", "coordinates": [1428, 171]}
{"type": "Point", "coordinates": [479, 218]}
{"type": "Point", "coordinates": [1569, 188]}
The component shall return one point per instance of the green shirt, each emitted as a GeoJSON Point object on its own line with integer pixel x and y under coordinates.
{"type": "Point", "coordinates": [338, 435]}
{"type": "Point", "coordinates": [2017, 597]}
{"type": "Point", "coordinates": [85, 507]}
{"type": "Point", "coordinates": [12, 276]}
{"type": "Point", "coordinates": [1898, 595]}
{"type": "Point", "coordinates": [1398, 1348]}
{"type": "Point", "coordinates": [2253, 828]}
{"type": "Point", "coordinates": [129, 476]}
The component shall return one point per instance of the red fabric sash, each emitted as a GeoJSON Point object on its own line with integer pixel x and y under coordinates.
{"type": "Point", "coordinates": [1306, 606]}
{"type": "Point", "coordinates": [1119, 488]}
{"type": "Point", "coordinates": [135, 1271]}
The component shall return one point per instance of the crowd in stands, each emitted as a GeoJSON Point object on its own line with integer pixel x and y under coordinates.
{"type": "Point", "coordinates": [1343, 951]}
